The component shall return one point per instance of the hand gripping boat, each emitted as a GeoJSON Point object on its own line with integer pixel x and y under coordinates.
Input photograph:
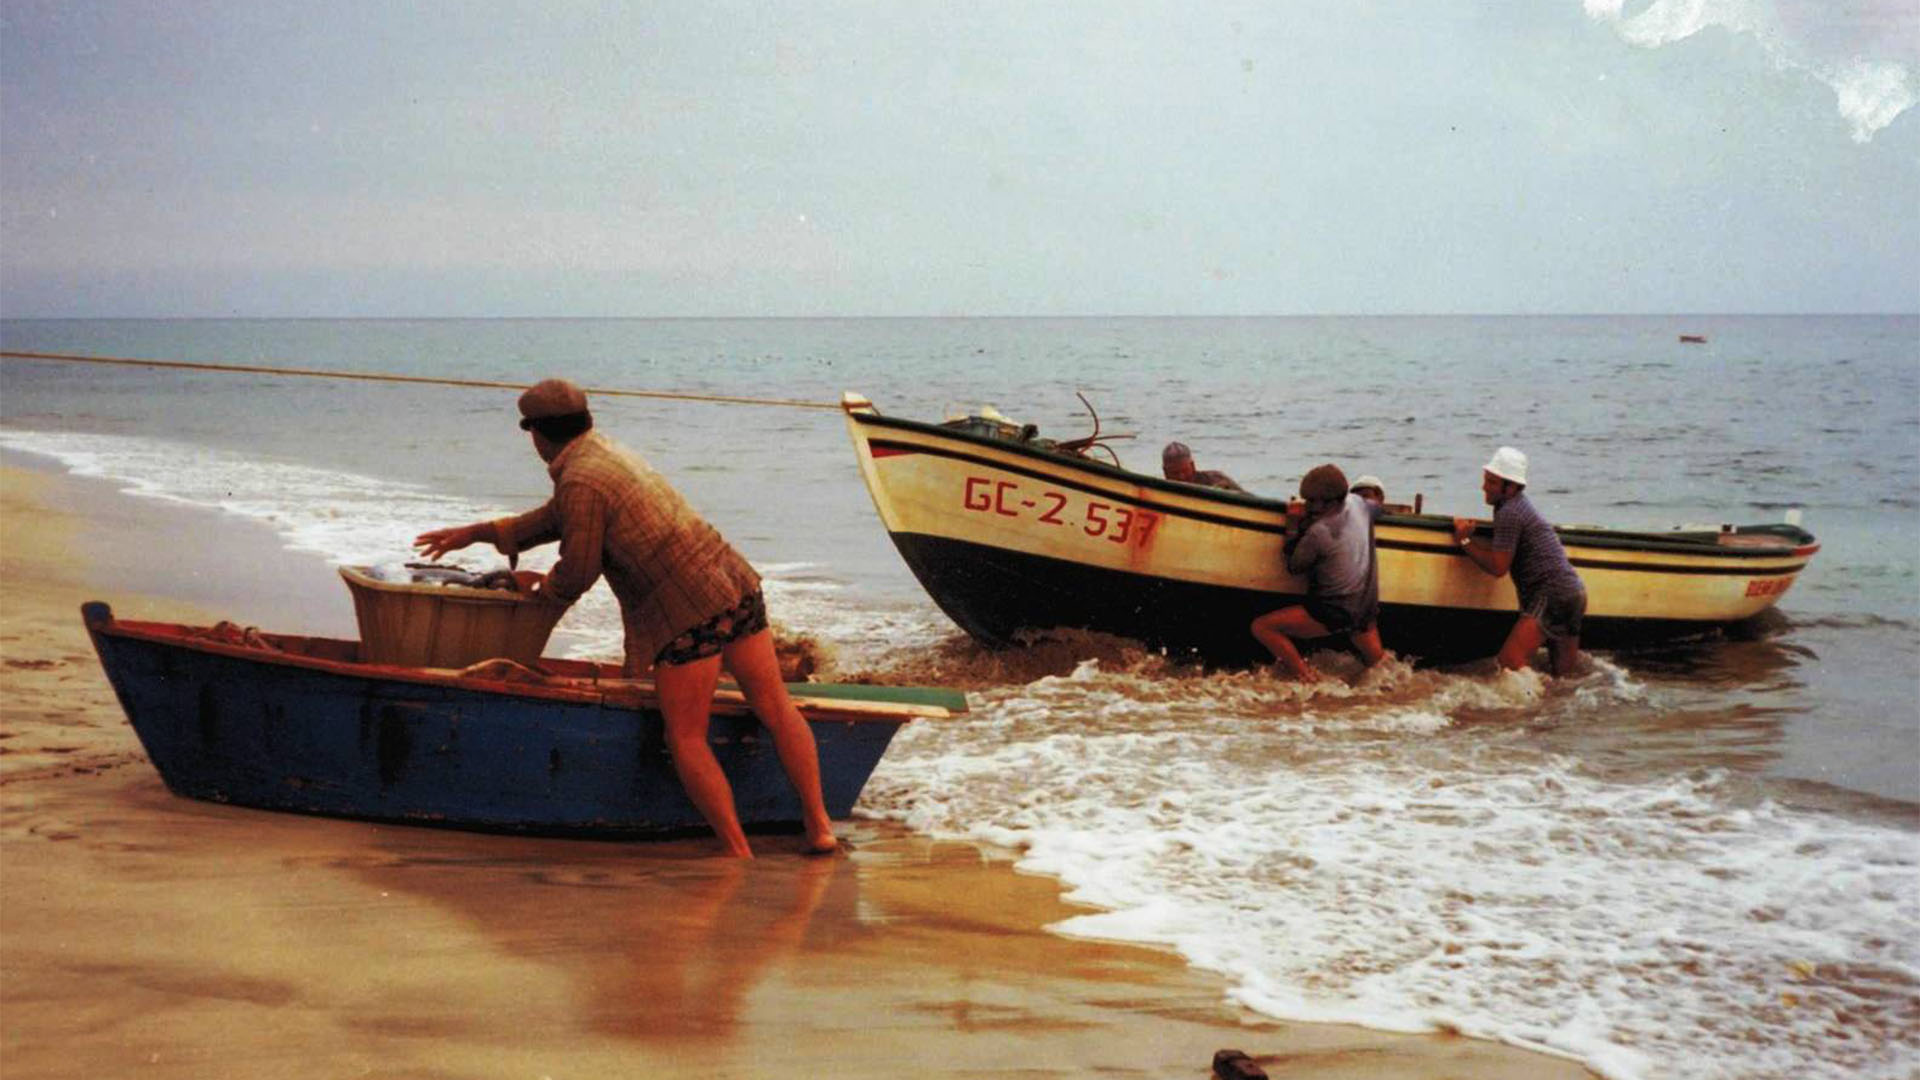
{"type": "Point", "coordinates": [303, 724]}
{"type": "Point", "coordinates": [1010, 535]}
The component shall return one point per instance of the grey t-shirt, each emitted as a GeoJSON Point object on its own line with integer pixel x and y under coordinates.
{"type": "Point", "coordinates": [1540, 566]}
{"type": "Point", "coordinates": [1336, 555]}
{"type": "Point", "coordinates": [1215, 478]}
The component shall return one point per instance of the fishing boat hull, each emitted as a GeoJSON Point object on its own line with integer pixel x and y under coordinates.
{"type": "Point", "coordinates": [1011, 539]}
{"type": "Point", "coordinates": [299, 724]}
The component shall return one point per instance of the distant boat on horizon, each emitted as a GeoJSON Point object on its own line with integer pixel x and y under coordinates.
{"type": "Point", "coordinates": [1693, 339]}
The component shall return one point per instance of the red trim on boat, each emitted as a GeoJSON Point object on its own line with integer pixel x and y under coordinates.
{"type": "Point", "coordinates": [586, 690]}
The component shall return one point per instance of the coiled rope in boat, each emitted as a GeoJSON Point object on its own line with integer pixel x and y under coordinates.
{"type": "Point", "coordinates": [373, 376]}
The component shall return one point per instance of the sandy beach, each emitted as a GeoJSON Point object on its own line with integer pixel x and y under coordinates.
{"type": "Point", "coordinates": [144, 933]}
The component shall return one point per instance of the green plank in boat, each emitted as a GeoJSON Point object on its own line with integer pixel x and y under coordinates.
{"type": "Point", "coordinates": [937, 696]}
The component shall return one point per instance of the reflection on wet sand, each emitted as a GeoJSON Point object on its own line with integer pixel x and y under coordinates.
{"type": "Point", "coordinates": [155, 935]}
{"type": "Point", "coordinates": [657, 941]}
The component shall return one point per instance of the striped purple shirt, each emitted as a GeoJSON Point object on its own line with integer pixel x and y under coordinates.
{"type": "Point", "coordinates": [1540, 566]}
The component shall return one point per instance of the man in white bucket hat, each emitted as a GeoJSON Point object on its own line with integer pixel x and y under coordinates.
{"type": "Point", "coordinates": [1552, 599]}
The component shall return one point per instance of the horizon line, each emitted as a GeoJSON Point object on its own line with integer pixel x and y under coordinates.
{"type": "Point", "coordinates": [949, 316]}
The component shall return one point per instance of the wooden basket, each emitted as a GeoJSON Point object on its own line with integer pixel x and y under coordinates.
{"type": "Point", "coordinates": [446, 626]}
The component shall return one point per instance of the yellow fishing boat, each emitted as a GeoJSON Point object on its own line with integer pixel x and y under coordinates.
{"type": "Point", "coordinates": [1012, 534]}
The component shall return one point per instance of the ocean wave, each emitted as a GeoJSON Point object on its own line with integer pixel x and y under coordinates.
{"type": "Point", "coordinates": [346, 517]}
{"type": "Point", "coordinates": [1870, 91]}
{"type": "Point", "coordinates": [1370, 856]}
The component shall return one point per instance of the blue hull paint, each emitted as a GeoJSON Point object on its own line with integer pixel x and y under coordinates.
{"type": "Point", "coordinates": [259, 732]}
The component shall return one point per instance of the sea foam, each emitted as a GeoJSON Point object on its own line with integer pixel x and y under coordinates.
{"type": "Point", "coordinates": [1380, 857]}
{"type": "Point", "coordinates": [353, 519]}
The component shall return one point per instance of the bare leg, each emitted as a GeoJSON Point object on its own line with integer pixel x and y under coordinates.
{"type": "Point", "coordinates": [1277, 630]}
{"type": "Point", "coordinates": [756, 668]}
{"type": "Point", "coordinates": [1368, 642]}
{"type": "Point", "coordinates": [1566, 655]}
{"type": "Point", "coordinates": [1522, 640]}
{"type": "Point", "coordinates": [686, 701]}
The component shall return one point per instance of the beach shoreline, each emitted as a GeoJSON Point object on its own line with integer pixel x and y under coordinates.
{"type": "Point", "coordinates": [143, 931]}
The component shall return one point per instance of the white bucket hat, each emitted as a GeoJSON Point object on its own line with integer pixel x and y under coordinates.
{"type": "Point", "coordinates": [1371, 481]}
{"type": "Point", "coordinates": [1508, 464]}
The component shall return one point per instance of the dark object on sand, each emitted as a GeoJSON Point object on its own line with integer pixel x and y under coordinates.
{"type": "Point", "coordinates": [562, 747]}
{"type": "Point", "coordinates": [1236, 1065]}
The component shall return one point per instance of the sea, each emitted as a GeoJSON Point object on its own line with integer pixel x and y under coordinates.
{"type": "Point", "coordinates": [1696, 860]}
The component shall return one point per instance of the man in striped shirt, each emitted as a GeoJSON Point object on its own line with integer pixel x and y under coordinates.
{"type": "Point", "coordinates": [1553, 601]}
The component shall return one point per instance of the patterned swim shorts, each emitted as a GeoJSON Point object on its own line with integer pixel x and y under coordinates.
{"type": "Point", "coordinates": [1559, 614]}
{"type": "Point", "coordinates": [744, 619]}
{"type": "Point", "coordinates": [1342, 614]}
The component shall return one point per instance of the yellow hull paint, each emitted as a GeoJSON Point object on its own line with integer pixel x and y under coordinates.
{"type": "Point", "coordinates": [928, 482]}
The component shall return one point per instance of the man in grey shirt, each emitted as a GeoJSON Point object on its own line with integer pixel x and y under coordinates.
{"type": "Point", "coordinates": [1330, 543]}
{"type": "Point", "coordinates": [1176, 461]}
{"type": "Point", "coordinates": [1553, 600]}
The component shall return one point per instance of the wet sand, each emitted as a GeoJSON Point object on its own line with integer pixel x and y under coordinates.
{"type": "Point", "coordinates": [144, 933]}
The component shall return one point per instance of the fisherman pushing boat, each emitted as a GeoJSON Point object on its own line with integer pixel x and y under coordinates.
{"type": "Point", "coordinates": [689, 602]}
{"type": "Point", "coordinates": [1553, 600]}
{"type": "Point", "coordinates": [1330, 544]}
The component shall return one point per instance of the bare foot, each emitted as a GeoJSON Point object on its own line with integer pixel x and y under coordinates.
{"type": "Point", "coordinates": [1307, 674]}
{"type": "Point", "coordinates": [822, 841]}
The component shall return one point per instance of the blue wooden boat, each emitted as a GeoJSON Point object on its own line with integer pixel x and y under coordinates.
{"type": "Point", "coordinates": [301, 724]}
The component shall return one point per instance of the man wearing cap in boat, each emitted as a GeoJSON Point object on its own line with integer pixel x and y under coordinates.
{"type": "Point", "coordinates": [689, 603]}
{"type": "Point", "coordinates": [1553, 600]}
{"type": "Point", "coordinates": [1371, 489]}
{"type": "Point", "coordinates": [1330, 543]}
{"type": "Point", "coordinates": [1176, 461]}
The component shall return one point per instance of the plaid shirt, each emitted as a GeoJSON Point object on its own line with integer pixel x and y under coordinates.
{"type": "Point", "coordinates": [670, 570]}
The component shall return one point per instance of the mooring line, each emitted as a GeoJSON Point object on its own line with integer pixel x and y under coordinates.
{"type": "Point", "coordinates": [371, 376]}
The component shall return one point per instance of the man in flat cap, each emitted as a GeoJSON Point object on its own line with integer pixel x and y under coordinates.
{"type": "Point", "coordinates": [1176, 461]}
{"type": "Point", "coordinates": [689, 603]}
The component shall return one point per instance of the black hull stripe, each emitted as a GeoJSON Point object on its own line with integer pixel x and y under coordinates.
{"type": "Point", "coordinates": [996, 595]}
{"type": "Point", "coordinates": [1601, 564]}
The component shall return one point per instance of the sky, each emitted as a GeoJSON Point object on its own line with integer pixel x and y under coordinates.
{"type": "Point", "coordinates": [904, 158]}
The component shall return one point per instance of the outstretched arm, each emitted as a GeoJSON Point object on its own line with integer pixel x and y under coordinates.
{"type": "Point", "coordinates": [438, 542]}
{"type": "Point", "coordinates": [510, 535]}
{"type": "Point", "coordinates": [1496, 563]}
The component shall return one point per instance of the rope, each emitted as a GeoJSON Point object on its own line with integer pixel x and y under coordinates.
{"type": "Point", "coordinates": [368, 376]}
